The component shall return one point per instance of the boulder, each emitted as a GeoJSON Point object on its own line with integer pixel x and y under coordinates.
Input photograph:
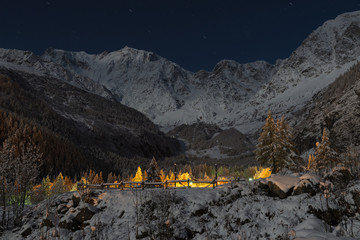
{"type": "Point", "coordinates": [26, 230]}
{"type": "Point", "coordinates": [62, 208]}
{"type": "Point", "coordinates": [85, 212]}
{"type": "Point", "coordinates": [305, 186]}
{"type": "Point", "coordinates": [69, 222]}
{"type": "Point", "coordinates": [50, 220]}
{"type": "Point", "coordinates": [70, 204]}
{"type": "Point", "coordinates": [47, 223]}
{"type": "Point", "coordinates": [339, 176]}
{"type": "Point", "coordinates": [76, 199]}
{"type": "Point", "coordinates": [313, 178]}
{"type": "Point", "coordinates": [276, 190]}
{"type": "Point", "coordinates": [282, 186]}
{"type": "Point", "coordinates": [199, 210]}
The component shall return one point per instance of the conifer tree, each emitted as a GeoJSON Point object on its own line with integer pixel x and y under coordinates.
{"type": "Point", "coordinates": [144, 176]}
{"type": "Point", "coordinates": [162, 175]}
{"type": "Point", "coordinates": [111, 178]}
{"type": "Point", "coordinates": [45, 186]}
{"type": "Point", "coordinates": [265, 150]}
{"type": "Point", "coordinates": [325, 156]}
{"type": "Point", "coordinates": [58, 185]}
{"type": "Point", "coordinates": [138, 176]}
{"type": "Point", "coordinates": [285, 148]}
{"type": "Point", "coordinates": [275, 146]}
{"type": "Point", "coordinates": [153, 174]}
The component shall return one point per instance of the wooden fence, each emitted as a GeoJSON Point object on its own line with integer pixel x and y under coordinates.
{"type": "Point", "coordinates": [166, 185]}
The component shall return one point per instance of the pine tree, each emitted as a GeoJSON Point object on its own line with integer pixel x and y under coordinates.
{"type": "Point", "coordinates": [144, 177]}
{"type": "Point", "coordinates": [111, 178]}
{"type": "Point", "coordinates": [138, 176]}
{"type": "Point", "coordinates": [265, 150]}
{"type": "Point", "coordinates": [68, 184]}
{"type": "Point", "coordinates": [45, 186]}
{"type": "Point", "coordinates": [325, 156]}
{"type": "Point", "coordinates": [162, 175]}
{"type": "Point", "coordinates": [58, 186]}
{"type": "Point", "coordinates": [153, 174]}
{"type": "Point", "coordinates": [285, 148]}
{"type": "Point", "coordinates": [275, 146]}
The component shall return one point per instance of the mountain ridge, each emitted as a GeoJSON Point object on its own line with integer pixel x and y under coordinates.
{"type": "Point", "coordinates": [231, 95]}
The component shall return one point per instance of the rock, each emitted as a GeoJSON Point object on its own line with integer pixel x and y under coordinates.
{"type": "Point", "coordinates": [69, 204]}
{"type": "Point", "coordinates": [142, 233]}
{"type": "Point", "coordinates": [69, 222]}
{"type": "Point", "coordinates": [331, 216]}
{"type": "Point", "coordinates": [339, 176]}
{"type": "Point", "coordinates": [313, 178]}
{"type": "Point", "coordinates": [275, 189]}
{"type": "Point", "coordinates": [122, 214]}
{"type": "Point", "coordinates": [261, 184]}
{"type": "Point", "coordinates": [50, 221]}
{"type": "Point", "coordinates": [75, 199]}
{"type": "Point", "coordinates": [26, 230]}
{"type": "Point", "coordinates": [62, 208]}
{"type": "Point", "coordinates": [199, 210]}
{"type": "Point", "coordinates": [282, 186]}
{"type": "Point", "coordinates": [47, 222]}
{"type": "Point", "coordinates": [342, 172]}
{"type": "Point", "coordinates": [305, 186]}
{"type": "Point", "coordinates": [72, 210]}
{"type": "Point", "coordinates": [85, 212]}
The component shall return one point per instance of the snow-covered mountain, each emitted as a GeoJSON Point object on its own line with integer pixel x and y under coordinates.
{"type": "Point", "coordinates": [231, 95]}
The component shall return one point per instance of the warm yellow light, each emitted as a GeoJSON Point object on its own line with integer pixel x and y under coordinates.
{"type": "Point", "coordinates": [263, 173]}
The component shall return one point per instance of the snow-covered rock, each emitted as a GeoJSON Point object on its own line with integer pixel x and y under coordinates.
{"type": "Point", "coordinates": [229, 212]}
{"type": "Point", "coordinates": [312, 229]}
{"type": "Point", "coordinates": [282, 186]}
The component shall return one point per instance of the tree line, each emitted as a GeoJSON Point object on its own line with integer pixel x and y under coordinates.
{"type": "Point", "coordinates": [277, 151]}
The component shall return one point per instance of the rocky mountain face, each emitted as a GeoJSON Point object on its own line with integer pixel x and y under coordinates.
{"type": "Point", "coordinates": [209, 140]}
{"type": "Point", "coordinates": [231, 95]}
{"type": "Point", "coordinates": [102, 131]}
{"type": "Point", "coordinates": [336, 108]}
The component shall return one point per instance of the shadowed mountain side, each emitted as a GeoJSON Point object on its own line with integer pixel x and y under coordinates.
{"type": "Point", "coordinates": [210, 140]}
{"type": "Point", "coordinates": [95, 127]}
{"type": "Point", "coordinates": [338, 109]}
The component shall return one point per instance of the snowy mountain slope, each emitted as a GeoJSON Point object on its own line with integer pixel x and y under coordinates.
{"type": "Point", "coordinates": [327, 53]}
{"type": "Point", "coordinates": [28, 62]}
{"type": "Point", "coordinates": [231, 95]}
{"type": "Point", "coordinates": [163, 90]}
{"type": "Point", "coordinates": [138, 79]}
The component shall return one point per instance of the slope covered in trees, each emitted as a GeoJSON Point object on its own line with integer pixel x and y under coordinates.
{"type": "Point", "coordinates": [76, 130]}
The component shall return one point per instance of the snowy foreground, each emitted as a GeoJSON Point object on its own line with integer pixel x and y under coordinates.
{"type": "Point", "coordinates": [237, 211]}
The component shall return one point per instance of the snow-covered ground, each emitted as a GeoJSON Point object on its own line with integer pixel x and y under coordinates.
{"type": "Point", "coordinates": [236, 211]}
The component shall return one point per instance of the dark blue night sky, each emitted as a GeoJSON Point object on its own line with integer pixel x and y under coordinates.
{"type": "Point", "coordinates": [193, 33]}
